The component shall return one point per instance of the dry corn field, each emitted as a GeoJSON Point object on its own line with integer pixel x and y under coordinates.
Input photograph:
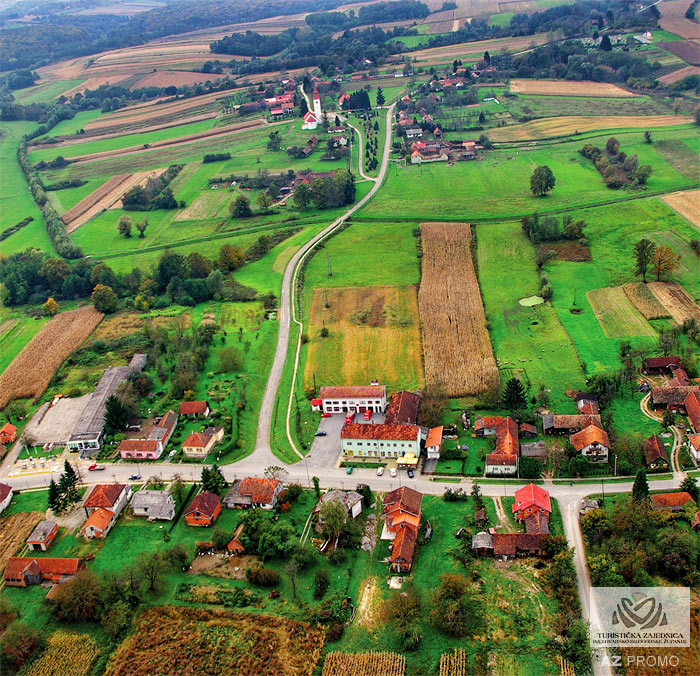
{"type": "Point", "coordinates": [687, 204]}
{"type": "Point", "coordinates": [456, 344]}
{"type": "Point", "coordinates": [645, 301]}
{"type": "Point", "coordinates": [14, 530]}
{"type": "Point", "coordinates": [454, 663]}
{"type": "Point", "coordinates": [66, 654]}
{"type": "Point", "coordinates": [364, 664]}
{"type": "Point", "coordinates": [568, 88]}
{"type": "Point", "coordinates": [676, 301]}
{"type": "Point", "coordinates": [32, 369]}
{"type": "Point", "coordinates": [93, 198]}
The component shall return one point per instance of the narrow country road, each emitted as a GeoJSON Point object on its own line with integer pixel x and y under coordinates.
{"type": "Point", "coordinates": [263, 456]}
{"type": "Point", "coordinates": [674, 455]}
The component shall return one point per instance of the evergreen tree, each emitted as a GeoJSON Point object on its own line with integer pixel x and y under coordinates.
{"type": "Point", "coordinates": [54, 497]}
{"type": "Point", "coordinates": [116, 415]}
{"type": "Point", "coordinates": [69, 473]}
{"type": "Point", "coordinates": [690, 485]}
{"type": "Point", "coordinates": [380, 97]}
{"type": "Point", "coordinates": [640, 490]}
{"type": "Point", "coordinates": [605, 44]}
{"type": "Point", "coordinates": [212, 479]}
{"type": "Point", "coordinates": [513, 396]}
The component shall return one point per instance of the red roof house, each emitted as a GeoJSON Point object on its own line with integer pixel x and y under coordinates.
{"type": "Point", "coordinates": [23, 571]}
{"type": "Point", "coordinates": [672, 501]}
{"type": "Point", "coordinates": [194, 408]}
{"type": "Point", "coordinates": [5, 496]}
{"type": "Point", "coordinates": [692, 407]}
{"type": "Point", "coordinates": [529, 500]}
{"type": "Point", "coordinates": [108, 496]}
{"type": "Point", "coordinates": [655, 452]}
{"type": "Point", "coordinates": [203, 510]}
{"type": "Point", "coordinates": [8, 433]}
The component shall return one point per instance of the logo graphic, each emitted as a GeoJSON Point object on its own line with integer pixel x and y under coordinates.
{"type": "Point", "coordinates": [641, 612]}
{"type": "Point", "coordinates": [627, 617]}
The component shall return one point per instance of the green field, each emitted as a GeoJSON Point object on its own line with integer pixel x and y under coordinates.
{"type": "Point", "coordinates": [19, 330]}
{"type": "Point", "coordinates": [72, 126]}
{"type": "Point", "coordinates": [44, 92]}
{"type": "Point", "coordinates": [502, 19]}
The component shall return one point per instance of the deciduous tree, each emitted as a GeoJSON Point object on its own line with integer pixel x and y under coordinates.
{"type": "Point", "coordinates": [664, 261]}
{"type": "Point", "coordinates": [643, 253]}
{"type": "Point", "coordinates": [231, 257]}
{"type": "Point", "coordinates": [240, 207]}
{"type": "Point", "coordinates": [104, 299]}
{"type": "Point", "coordinates": [542, 181]}
{"type": "Point", "coordinates": [50, 307]}
{"type": "Point", "coordinates": [124, 226]}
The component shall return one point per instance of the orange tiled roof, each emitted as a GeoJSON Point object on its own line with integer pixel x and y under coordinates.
{"type": "Point", "coordinates": [104, 495]}
{"type": "Point", "coordinates": [197, 440]}
{"type": "Point", "coordinates": [205, 503]}
{"type": "Point", "coordinates": [404, 545]}
{"type": "Point", "coordinates": [532, 495]}
{"type": "Point", "coordinates": [434, 436]}
{"type": "Point", "coordinates": [589, 435]}
{"type": "Point", "coordinates": [99, 519]}
{"type": "Point", "coordinates": [393, 432]}
{"type": "Point", "coordinates": [663, 500]}
{"type": "Point", "coordinates": [260, 490]}
{"type": "Point", "coordinates": [692, 407]}
{"type": "Point", "coordinates": [139, 445]}
{"type": "Point", "coordinates": [16, 565]}
{"type": "Point", "coordinates": [352, 392]}
{"type": "Point", "coordinates": [193, 407]}
{"type": "Point", "coordinates": [407, 499]}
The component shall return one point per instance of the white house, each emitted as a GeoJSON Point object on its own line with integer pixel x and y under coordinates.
{"type": "Point", "coordinates": [350, 398]}
{"type": "Point", "coordinates": [693, 446]}
{"type": "Point", "coordinates": [433, 443]}
{"type": "Point", "coordinates": [358, 440]}
{"type": "Point", "coordinates": [155, 505]}
{"type": "Point", "coordinates": [351, 500]}
{"type": "Point", "coordinates": [592, 442]}
{"type": "Point", "coordinates": [5, 496]}
{"type": "Point", "coordinates": [501, 464]}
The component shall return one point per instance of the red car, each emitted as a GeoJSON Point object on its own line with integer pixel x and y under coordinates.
{"type": "Point", "coordinates": [325, 415]}
{"type": "Point", "coordinates": [368, 415]}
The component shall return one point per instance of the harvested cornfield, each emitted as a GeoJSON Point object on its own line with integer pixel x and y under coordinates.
{"type": "Point", "coordinates": [569, 88]}
{"type": "Point", "coordinates": [14, 530]}
{"type": "Point", "coordinates": [679, 74]}
{"type": "Point", "coordinates": [617, 315]}
{"type": "Point", "coordinates": [456, 345]}
{"type": "Point", "coordinates": [32, 369]}
{"type": "Point", "coordinates": [364, 664]}
{"type": "Point", "coordinates": [454, 663]}
{"type": "Point", "coordinates": [687, 204]}
{"type": "Point", "coordinates": [66, 654]}
{"type": "Point", "coordinates": [93, 198]}
{"type": "Point", "coordinates": [645, 301]}
{"type": "Point", "coordinates": [676, 301]}
{"type": "Point", "coordinates": [373, 332]}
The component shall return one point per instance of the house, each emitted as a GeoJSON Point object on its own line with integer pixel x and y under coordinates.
{"type": "Point", "coordinates": [567, 424]}
{"type": "Point", "coordinates": [253, 492]}
{"type": "Point", "coordinates": [433, 443]}
{"type": "Point", "coordinates": [587, 403]}
{"type": "Point", "coordinates": [195, 409]}
{"type": "Point", "coordinates": [42, 536]}
{"type": "Point", "coordinates": [203, 510]}
{"type": "Point", "coordinates": [674, 502]}
{"type": "Point", "coordinates": [413, 132]}
{"type": "Point", "coordinates": [5, 496]}
{"type": "Point", "coordinates": [528, 431]}
{"type": "Point", "coordinates": [199, 444]}
{"type": "Point", "coordinates": [402, 514]}
{"type": "Point", "coordinates": [155, 505]}
{"type": "Point", "coordinates": [692, 409]}
{"type": "Point", "coordinates": [403, 408]}
{"type": "Point", "coordinates": [529, 500]}
{"type": "Point", "coordinates": [235, 547]}
{"type": "Point", "coordinates": [694, 446]}
{"type": "Point", "coordinates": [351, 500]}
{"type": "Point", "coordinates": [152, 445]}
{"type": "Point", "coordinates": [509, 545]}
{"type": "Point", "coordinates": [402, 550]}
{"type": "Point", "coordinates": [107, 496]}
{"type": "Point", "coordinates": [23, 571]}
{"type": "Point", "coordinates": [487, 426]}
{"type": "Point", "coordinates": [534, 449]}
{"type": "Point", "coordinates": [8, 433]}
{"type": "Point", "coordinates": [592, 442]}
{"type": "Point", "coordinates": [482, 544]}
{"type": "Point", "coordinates": [587, 505]}
{"type": "Point", "coordinates": [344, 399]}
{"type": "Point", "coordinates": [671, 398]}
{"type": "Point", "coordinates": [99, 523]}
{"type": "Point", "coordinates": [504, 459]}
{"type": "Point", "coordinates": [680, 377]}
{"type": "Point", "coordinates": [655, 453]}
{"type": "Point", "coordinates": [358, 440]}
{"type": "Point", "coordinates": [660, 365]}
{"type": "Point", "coordinates": [421, 157]}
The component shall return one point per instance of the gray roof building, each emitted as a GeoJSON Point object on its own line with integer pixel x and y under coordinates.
{"type": "Point", "coordinates": [42, 531]}
{"type": "Point", "coordinates": [534, 449]}
{"type": "Point", "coordinates": [482, 540]}
{"type": "Point", "coordinates": [156, 505]}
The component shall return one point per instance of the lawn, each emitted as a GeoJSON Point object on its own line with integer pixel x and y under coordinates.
{"type": "Point", "coordinates": [527, 340]}
{"type": "Point", "coordinates": [19, 330]}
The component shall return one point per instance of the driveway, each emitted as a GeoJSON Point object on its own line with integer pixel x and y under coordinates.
{"type": "Point", "coordinates": [325, 450]}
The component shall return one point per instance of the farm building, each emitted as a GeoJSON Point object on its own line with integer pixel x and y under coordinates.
{"type": "Point", "coordinates": [351, 500]}
{"type": "Point", "coordinates": [433, 443]}
{"type": "Point", "coordinates": [380, 441]}
{"type": "Point", "coordinates": [195, 409]}
{"type": "Point", "coordinates": [567, 424]}
{"type": "Point", "coordinates": [655, 453]}
{"type": "Point", "coordinates": [694, 446]}
{"type": "Point", "coordinates": [534, 449]}
{"type": "Point", "coordinates": [88, 433]}
{"type": "Point", "coordinates": [592, 442]}
{"type": "Point", "coordinates": [5, 497]}
{"type": "Point", "coordinates": [253, 492]}
{"type": "Point", "coordinates": [528, 431]}
{"type": "Point", "coordinates": [155, 505]}
{"type": "Point", "coordinates": [203, 510]}
{"type": "Point", "coordinates": [671, 398]}
{"type": "Point", "coordinates": [587, 505]}
{"type": "Point", "coordinates": [509, 545]}
{"type": "Point", "coordinates": [529, 500]}
{"type": "Point", "coordinates": [344, 399]}
{"type": "Point", "coordinates": [587, 403]}
{"type": "Point", "coordinates": [660, 365]}
{"type": "Point", "coordinates": [679, 378]}
{"type": "Point", "coordinates": [199, 444]}
{"type": "Point", "coordinates": [674, 502]}
{"type": "Point", "coordinates": [692, 409]}
{"type": "Point", "coordinates": [8, 433]}
{"type": "Point", "coordinates": [24, 571]}
{"type": "Point", "coordinates": [482, 544]}
{"type": "Point", "coordinates": [403, 408]}
{"type": "Point", "coordinates": [504, 460]}
{"type": "Point", "coordinates": [402, 514]}
{"type": "Point", "coordinates": [42, 536]}
{"type": "Point", "coordinates": [235, 547]}
{"type": "Point", "coordinates": [154, 441]}
{"type": "Point", "coordinates": [487, 426]}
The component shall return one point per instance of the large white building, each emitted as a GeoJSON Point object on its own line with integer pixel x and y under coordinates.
{"type": "Point", "coordinates": [350, 398]}
{"type": "Point", "coordinates": [359, 440]}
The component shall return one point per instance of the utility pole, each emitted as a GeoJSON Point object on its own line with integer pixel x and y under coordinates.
{"type": "Point", "coordinates": [328, 264]}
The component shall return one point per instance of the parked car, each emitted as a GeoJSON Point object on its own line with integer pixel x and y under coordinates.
{"type": "Point", "coordinates": [95, 467]}
{"type": "Point", "coordinates": [172, 453]}
{"type": "Point", "coordinates": [410, 474]}
{"type": "Point", "coordinates": [134, 477]}
{"type": "Point", "coordinates": [368, 415]}
{"type": "Point", "coordinates": [350, 469]}
{"type": "Point", "coordinates": [326, 415]}
{"type": "Point", "coordinates": [392, 471]}
{"type": "Point", "coordinates": [320, 434]}
{"type": "Point", "coordinates": [380, 471]}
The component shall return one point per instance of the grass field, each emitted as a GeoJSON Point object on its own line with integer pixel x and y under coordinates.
{"type": "Point", "coordinates": [17, 332]}
{"type": "Point", "coordinates": [616, 314]}
{"type": "Point", "coordinates": [373, 334]}
{"type": "Point", "coordinates": [44, 92]}
{"type": "Point", "coordinates": [527, 340]}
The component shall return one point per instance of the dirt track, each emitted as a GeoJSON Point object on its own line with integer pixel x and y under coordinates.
{"type": "Point", "coordinates": [676, 300]}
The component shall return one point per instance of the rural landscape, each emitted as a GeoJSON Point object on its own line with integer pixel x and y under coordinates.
{"type": "Point", "coordinates": [349, 338]}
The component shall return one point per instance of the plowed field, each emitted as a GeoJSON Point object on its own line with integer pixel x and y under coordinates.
{"type": "Point", "coordinates": [676, 301]}
{"type": "Point", "coordinates": [687, 204]}
{"type": "Point", "coordinates": [569, 88]}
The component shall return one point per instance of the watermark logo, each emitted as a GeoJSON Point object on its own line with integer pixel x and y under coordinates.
{"type": "Point", "coordinates": [640, 617]}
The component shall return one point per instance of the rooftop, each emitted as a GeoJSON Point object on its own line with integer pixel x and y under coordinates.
{"type": "Point", "coordinates": [104, 495]}
{"type": "Point", "coordinates": [42, 531]}
{"type": "Point", "coordinates": [352, 392]}
{"type": "Point", "coordinates": [393, 432]}
{"type": "Point", "coordinates": [667, 500]}
{"type": "Point", "coordinates": [407, 499]}
{"type": "Point", "coordinates": [403, 408]}
{"type": "Point", "coordinates": [589, 435]}
{"type": "Point", "coordinates": [205, 503]}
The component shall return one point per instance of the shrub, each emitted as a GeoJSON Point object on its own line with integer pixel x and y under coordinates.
{"type": "Point", "coordinates": [263, 577]}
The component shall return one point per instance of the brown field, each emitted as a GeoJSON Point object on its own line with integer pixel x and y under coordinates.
{"type": "Point", "coordinates": [177, 78]}
{"type": "Point", "coordinates": [364, 664]}
{"type": "Point", "coordinates": [617, 316]}
{"type": "Point", "coordinates": [673, 19]}
{"type": "Point", "coordinates": [687, 204]}
{"type": "Point", "coordinates": [568, 250]}
{"type": "Point", "coordinates": [65, 654]}
{"type": "Point", "coordinates": [14, 530]}
{"type": "Point", "coordinates": [569, 88]}
{"type": "Point", "coordinates": [676, 301]}
{"type": "Point", "coordinates": [107, 196]}
{"type": "Point", "coordinates": [548, 127]}
{"type": "Point", "coordinates": [456, 345]}
{"type": "Point", "coordinates": [688, 50]}
{"type": "Point", "coordinates": [216, 642]}
{"type": "Point", "coordinates": [444, 54]}
{"type": "Point", "coordinates": [679, 74]}
{"type": "Point", "coordinates": [373, 333]}
{"type": "Point", "coordinates": [125, 323]}
{"type": "Point", "coordinates": [32, 369]}
{"type": "Point", "coordinates": [645, 301]}
{"type": "Point", "coordinates": [454, 663]}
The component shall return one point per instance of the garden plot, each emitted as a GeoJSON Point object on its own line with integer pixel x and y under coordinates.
{"type": "Point", "coordinates": [687, 204]}
{"type": "Point", "coordinates": [682, 157]}
{"type": "Point", "coordinates": [14, 530]}
{"type": "Point", "coordinates": [616, 314]}
{"type": "Point", "coordinates": [676, 301]}
{"type": "Point", "coordinates": [645, 301]}
{"type": "Point", "coordinates": [364, 664]}
{"type": "Point", "coordinates": [569, 88]}
{"type": "Point", "coordinates": [372, 334]}
{"type": "Point", "coordinates": [211, 203]}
